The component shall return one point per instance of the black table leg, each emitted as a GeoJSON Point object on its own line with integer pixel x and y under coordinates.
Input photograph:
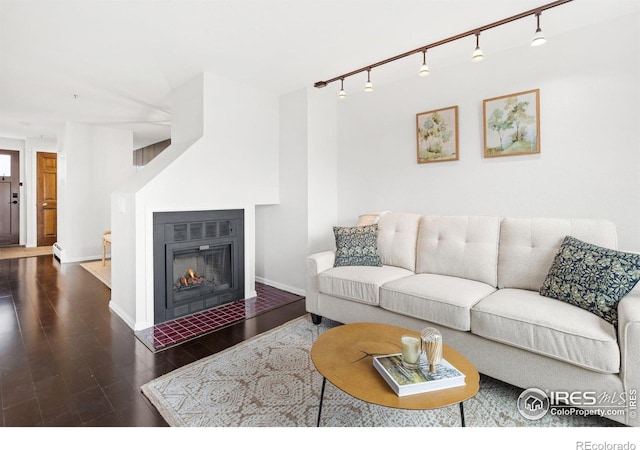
{"type": "Point", "coordinates": [324, 382]}
{"type": "Point", "coordinates": [462, 413]}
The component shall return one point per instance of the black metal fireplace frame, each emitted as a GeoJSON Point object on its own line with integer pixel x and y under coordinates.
{"type": "Point", "coordinates": [195, 229]}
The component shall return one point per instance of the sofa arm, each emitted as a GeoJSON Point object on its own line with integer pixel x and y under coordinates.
{"type": "Point", "coordinates": [316, 264]}
{"type": "Point", "coordinates": [629, 340]}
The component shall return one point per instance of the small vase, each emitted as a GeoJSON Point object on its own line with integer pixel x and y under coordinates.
{"type": "Point", "coordinates": [432, 347]}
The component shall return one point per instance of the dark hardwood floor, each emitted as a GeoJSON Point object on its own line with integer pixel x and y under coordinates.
{"type": "Point", "coordinates": [66, 360]}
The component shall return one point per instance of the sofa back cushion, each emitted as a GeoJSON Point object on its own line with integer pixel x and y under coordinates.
{"type": "Point", "coordinates": [529, 246]}
{"type": "Point", "coordinates": [397, 236]}
{"type": "Point", "coordinates": [459, 246]}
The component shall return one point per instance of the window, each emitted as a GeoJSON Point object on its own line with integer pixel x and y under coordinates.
{"type": "Point", "coordinates": [5, 165]}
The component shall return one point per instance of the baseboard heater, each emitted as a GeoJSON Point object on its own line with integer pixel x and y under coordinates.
{"type": "Point", "coordinates": [57, 251]}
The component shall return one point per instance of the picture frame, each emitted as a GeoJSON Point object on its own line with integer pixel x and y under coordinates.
{"type": "Point", "coordinates": [512, 124]}
{"type": "Point", "coordinates": [437, 135]}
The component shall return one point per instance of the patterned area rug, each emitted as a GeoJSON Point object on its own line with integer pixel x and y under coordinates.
{"type": "Point", "coordinates": [270, 381]}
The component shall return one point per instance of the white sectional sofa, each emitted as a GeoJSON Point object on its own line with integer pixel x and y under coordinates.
{"type": "Point", "coordinates": [477, 280]}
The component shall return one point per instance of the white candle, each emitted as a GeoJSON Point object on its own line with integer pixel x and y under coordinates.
{"type": "Point", "coordinates": [410, 349]}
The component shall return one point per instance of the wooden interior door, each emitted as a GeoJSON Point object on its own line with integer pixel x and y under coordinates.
{"type": "Point", "coordinates": [9, 197]}
{"type": "Point", "coordinates": [47, 168]}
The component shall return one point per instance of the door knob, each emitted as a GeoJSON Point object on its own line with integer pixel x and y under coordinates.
{"type": "Point", "coordinates": [44, 204]}
{"type": "Point", "coordinates": [15, 202]}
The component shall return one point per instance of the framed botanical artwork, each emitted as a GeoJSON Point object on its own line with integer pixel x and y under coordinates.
{"type": "Point", "coordinates": [512, 124]}
{"type": "Point", "coordinates": [437, 135]}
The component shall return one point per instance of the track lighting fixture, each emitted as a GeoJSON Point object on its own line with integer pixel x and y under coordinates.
{"type": "Point", "coordinates": [342, 94]}
{"type": "Point", "coordinates": [538, 39]}
{"type": "Point", "coordinates": [368, 87]}
{"type": "Point", "coordinates": [477, 53]}
{"type": "Point", "coordinates": [424, 69]}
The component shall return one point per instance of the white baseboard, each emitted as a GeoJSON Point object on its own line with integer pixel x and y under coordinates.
{"type": "Point", "coordinates": [124, 316]}
{"type": "Point", "coordinates": [63, 259]}
{"type": "Point", "coordinates": [281, 286]}
{"type": "Point", "coordinates": [60, 254]}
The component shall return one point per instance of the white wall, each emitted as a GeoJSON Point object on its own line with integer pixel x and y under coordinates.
{"type": "Point", "coordinates": [234, 165]}
{"type": "Point", "coordinates": [187, 123]}
{"type": "Point", "coordinates": [11, 144]}
{"type": "Point", "coordinates": [589, 163]}
{"type": "Point", "coordinates": [93, 162]}
{"type": "Point", "coordinates": [322, 190]}
{"type": "Point", "coordinates": [281, 237]}
{"type": "Point", "coordinates": [288, 232]}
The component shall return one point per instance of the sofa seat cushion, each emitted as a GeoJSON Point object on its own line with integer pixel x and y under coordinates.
{"type": "Point", "coordinates": [359, 283]}
{"type": "Point", "coordinates": [440, 299]}
{"type": "Point", "coordinates": [547, 326]}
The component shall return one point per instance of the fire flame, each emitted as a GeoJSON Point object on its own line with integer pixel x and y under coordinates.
{"type": "Point", "coordinates": [190, 279]}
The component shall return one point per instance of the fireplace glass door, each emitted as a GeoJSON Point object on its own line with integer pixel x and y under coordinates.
{"type": "Point", "coordinates": [200, 272]}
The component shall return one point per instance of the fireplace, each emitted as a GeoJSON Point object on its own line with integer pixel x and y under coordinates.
{"type": "Point", "coordinates": [198, 261]}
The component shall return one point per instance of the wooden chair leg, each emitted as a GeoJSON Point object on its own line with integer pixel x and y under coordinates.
{"type": "Point", "coordinates": [106, 241]}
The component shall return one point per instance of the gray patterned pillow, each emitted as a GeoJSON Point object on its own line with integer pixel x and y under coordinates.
{"type": "Point", "coordinates": [357, 246]}
{"type": "Point", "coordinates": [591, 277]}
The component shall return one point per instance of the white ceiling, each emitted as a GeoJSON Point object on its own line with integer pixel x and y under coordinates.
{"type": "Point", "coordinates": [116, 62]}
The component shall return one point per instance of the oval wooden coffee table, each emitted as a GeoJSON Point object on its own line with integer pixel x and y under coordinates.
{"type": "Point", "coordinates": [344, 356]}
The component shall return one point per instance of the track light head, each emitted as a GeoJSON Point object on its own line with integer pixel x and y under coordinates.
{"type": "Point", "coordinates": [538, 38]}
{"type": "Point", "coordinates": [368, 87]}
{"type": "Point", "coordinates": [342, 94]}
{"type": "Point", "coordinates": [424, 69]}
{"type": "Point", "coordinates": [477, 53]}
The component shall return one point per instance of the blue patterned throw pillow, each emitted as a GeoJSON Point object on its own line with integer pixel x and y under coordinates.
{"type": "Point", "coordinates": [357, 246]}
{"type": "Point", "coordinates": [591, 277]}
